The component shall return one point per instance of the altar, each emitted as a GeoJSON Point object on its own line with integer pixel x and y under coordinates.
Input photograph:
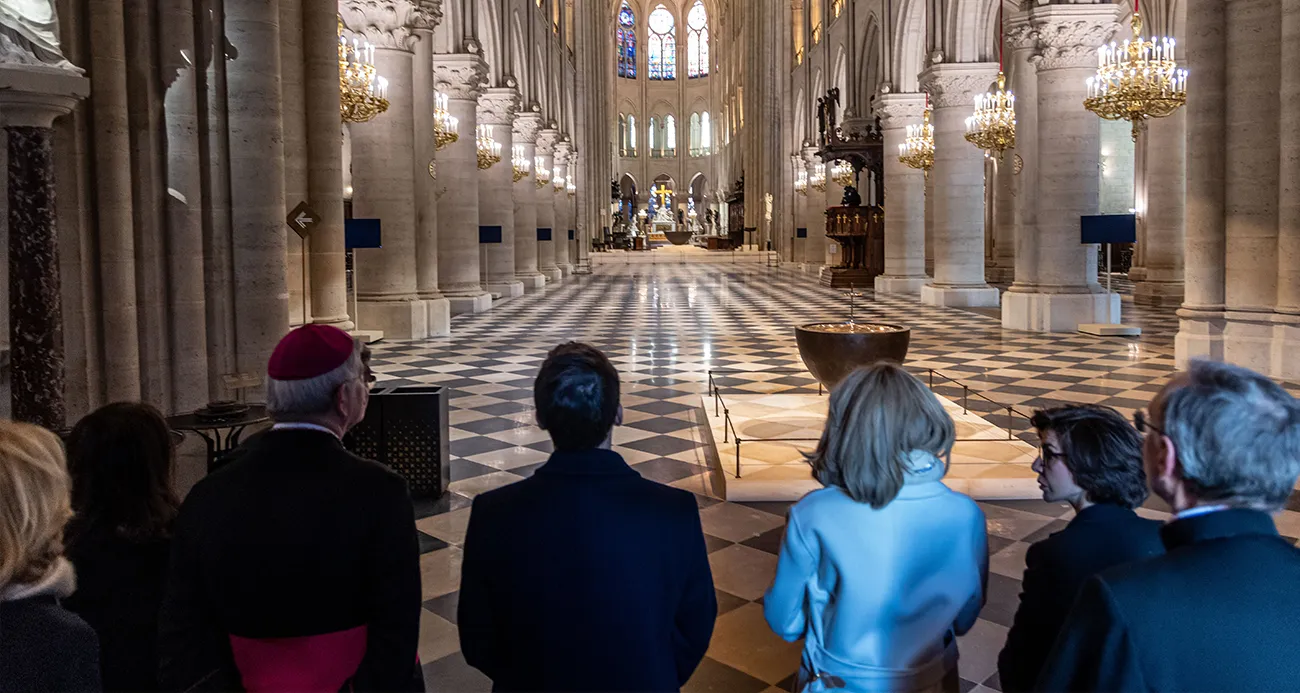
{"type": "Point", "coordinates": [662, 225]}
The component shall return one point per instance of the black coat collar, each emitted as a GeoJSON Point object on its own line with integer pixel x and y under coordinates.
{"type": "Point", "coordinates": [1104, 512]}
{"type": "Point", "coordinates": [594, 462]}
{"type": "Point", "coordinates": [1220, 524]}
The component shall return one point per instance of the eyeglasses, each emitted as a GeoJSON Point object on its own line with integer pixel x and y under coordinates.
{"type": "Point", "coordinates": [1141, 423]}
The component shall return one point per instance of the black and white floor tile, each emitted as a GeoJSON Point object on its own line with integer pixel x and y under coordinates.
{"type": "Point", "coordinates": [668, 329]}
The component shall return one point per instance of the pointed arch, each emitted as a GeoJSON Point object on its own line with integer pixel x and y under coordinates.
{"type": "Point", "coordinates": [697, 41]}
{"type": "Point", "coordinates": [661, 44]}
{"type": "Point", "coordinates": [625, 42]}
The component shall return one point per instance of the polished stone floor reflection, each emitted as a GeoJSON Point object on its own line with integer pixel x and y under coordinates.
{"type": "Point", "coordinates": [666, 327]}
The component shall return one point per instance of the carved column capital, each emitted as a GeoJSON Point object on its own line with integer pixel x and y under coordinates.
{"type": "Point", "coordinates": [459, 75]}
{"type": "Point", "coordinates": [498, 105]}
{"type": "Point", "coordinates": [900, 110]}
{"type": "Point", "coordinates": [956, 84]}
{"type": "Point", "coordinates": [387, 24]}
{"type": "Point", "coordinates": [1067, 36]}
{"type": "Point", "coordinates": [547, 139]}
{"type": "Point", "coordinates": [563, 152]}
{"type": "Point", "coordinates": [526, 127]}
{"type": "Point", "coordinates": [428, 14]}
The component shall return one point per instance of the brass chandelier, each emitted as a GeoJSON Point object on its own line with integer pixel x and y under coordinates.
{"type": "Point", "coordinates": [362, 92]}
{"type": "Point", "coordinates": [520, 162]}
{"type": "Point", "coordinates": [446, 127]}
{"type": "Point", "coordinates": [993, 126]}
{"type": "Point", "coordinates": [842, 173]}
{"type": "Point", "coordinates": [557, 180]}
{"type": "Point", "coordinates": [917, 150]}
{"type": "Point", "coordinates": [543, 173]}
{"type": "Point", "coordinates": [489, 150]}
{"type": "Point", "coordinates": [1137, 80]}
{"type": "Point", "coordinates": [570, 188]}
{"type": "Point", "coordinates": [801, 182]}
{"type": "Point", "coordinates": [817, 180]}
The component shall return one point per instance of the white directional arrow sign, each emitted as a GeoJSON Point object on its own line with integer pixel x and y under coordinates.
{"type": "Point", "coordinates": [302, 219]}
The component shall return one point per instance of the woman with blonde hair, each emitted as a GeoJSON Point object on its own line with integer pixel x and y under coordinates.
{"type": "Point", "coordinates": [43, 647]}
{"type": "Point", "coordinates": [882, 569]}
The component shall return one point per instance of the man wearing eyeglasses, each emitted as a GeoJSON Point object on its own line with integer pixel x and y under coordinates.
{"type": "Point", "coordinates": [1221, 609]}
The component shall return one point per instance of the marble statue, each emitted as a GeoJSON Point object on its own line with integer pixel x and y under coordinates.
{"type": "Point", "coordinates": [29, 35]}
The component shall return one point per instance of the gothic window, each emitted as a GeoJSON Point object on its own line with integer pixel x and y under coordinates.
{"type": "Point", "coordinates": [622, 135]}
{"type": "Point", "coordinates": [670, 136]}
{"type": "Point", "coordinates": [695, 135]}
{"type": "Point", "coordinates": [626, 40]}
{"type": "Point", "coordinates": [631, 135]}
{"type": "Point", "coordinates": [706, 134]}
{"type": "Point", "coordinates": [697, 41]}
{"type": "Point", "coordinates": [652, 141]}
{"type": "Point", "coordinates": [661, 55]}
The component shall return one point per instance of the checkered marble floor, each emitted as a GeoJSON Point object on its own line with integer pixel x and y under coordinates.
{"type": "Point", "coordinates": [666, 327]}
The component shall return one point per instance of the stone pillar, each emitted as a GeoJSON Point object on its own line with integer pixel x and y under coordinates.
{"type": "Point", "coordinates": [1021, 37]}
{"type": "Point", "coordinates": [438, 308]}
{"type": "Point", "coordinates": [546, 141]}
{"type": "Point", "coordinates": [382, 182]}
{"type": "Point", "coordinates": [1201, 319]}
{"type": "Point", "coordinates": [326, 252]}
{"type": "Point", "coordinates": [904, 198]}
{"type": "Point", "coordinates": [799, 246]}
{"type": "Point", "coordinates": [525, 204]}
{"type": "Point", "coordinates": [958, 197]}
{"type": "Point", "coordinates": [563, 206]}
{"type": "Point", "coordinates": [257, 203]}
{"type": "Point", "coordinates": [1165, 157]}
{"type": "Point", "coordinates": [815, 247]}
{"type": "Point", "coordinates": [1002, 269]}
{"type": "Point", "coordinates": [1286, 331]}
{"type": "Point", "coordinates": [460, 77]}
{"type": "Point", "coordinates": [30, 100]}
{"type": "Point", "coordinates": [1063, 292]}
{"type": "Point", "coordinates": [496, 108]}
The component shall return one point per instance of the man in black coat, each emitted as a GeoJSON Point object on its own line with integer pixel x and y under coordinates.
{"type": "Point", "coordinates": [584, 577]}
{"type": "Point", "coordinates": [296, 566]}
{"type": "Point", "coordinates": [1220, 610]}
{"type": "Point", "coordinates": [1091, 458]}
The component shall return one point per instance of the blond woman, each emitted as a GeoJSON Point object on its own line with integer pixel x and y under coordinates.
{"type": "Point", "coordinates": [882, 569]}
{"type": "Point", "coordinates": [43, 647]}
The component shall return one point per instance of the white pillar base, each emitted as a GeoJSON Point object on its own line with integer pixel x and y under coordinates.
{"type": "Point", "coordinates": [1039, 312]}
{"type": "Point", "coordinates": [1286, 344]}
{"type": "Point", "coordinates": [531, 282]}
{"type": "Point", "coordinates": [506, 289]}
{"type": "Point", "coordinates": [1200, 336]}
{"type": "Point", "coordinates": [552, 274]}
{"type": "Point", "coordinates": [1152, 293]}
{"type": "Point", "coordinates": [1248, 340]}
{"type": "Point", "coordinates": [565, 268]}
{"type": "Point", "coordinates": [973, 297]}
{"type": "Point", "coordinates": [900, 285]}
{"type": "Point", "coordinates": [396, 319]}
{"type": "Point", "coordinates": [461, 305]}
{"type": "Point", "coordinates": [813, 268]}
{"type": "Point", "coordinates": [439, 316]}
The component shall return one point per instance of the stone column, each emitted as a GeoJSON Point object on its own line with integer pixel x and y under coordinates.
{"type": "Point", "coordinates": [799, 246]}
{"type": "Point", "coordinates": [496, 108]}
{"type": "Point", "coordinates": [460, 76]}
{"type": "Point", "coordinates": [815, 247]}
{"type": "Point", "coordinates": [1063, 292]}
{"type": "Point", "coordinates": [257, 203]}
{"type": "Point", "coordinates": [1002, 270]}
{"type": "Point", "coordinates": [30, 100]}
{"type": "Point", "coordinates": [546, 142]}
{"type": "Point", "coordinates": [563, 206]}
{"type": "Point", "coordinates": [1166, 192]}
{"type": "Point", "coordinates": [904, 199]}
{"type": "Point", "coordinates": [958, 197]}
{"type": "Point", "coordinates": [1201, 321]}
{"type": "Point", "coordinates": [525, 204]}
{"type": "Point", "coordinates": [1022, 39]}
{"type": "Point", "coordinates": [438, 308]}
{"type": "Point", "coordinates": [1286, 331]}
{"type": "Point", "coordinates": [382, 181]}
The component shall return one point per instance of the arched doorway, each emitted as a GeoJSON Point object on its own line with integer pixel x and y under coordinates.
{"type": "Point", "coordinates": [627, 200]}
{"type": "Point", "coordinates": [698, 213]}
{"type": "Point", "coordinates": [663, 195]}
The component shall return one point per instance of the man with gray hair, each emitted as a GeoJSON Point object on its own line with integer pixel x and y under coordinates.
{"type": "Point", "coordinates": [1220, 610]}
{"type": "Point", "coordinates": [296, 565]}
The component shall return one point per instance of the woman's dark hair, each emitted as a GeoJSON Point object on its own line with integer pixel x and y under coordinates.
{"type": "Point", "coordinates": [576, 393]}
{"type": "Point", "coordinates": [121, 459]}
{"type": "Point", "coordinates": [1101, 449]}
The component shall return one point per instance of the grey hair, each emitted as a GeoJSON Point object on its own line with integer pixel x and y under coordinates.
{"type": "Point", "coordinates": [287, 400]}
{"type": "Point", "coordinates": [1237, 436]}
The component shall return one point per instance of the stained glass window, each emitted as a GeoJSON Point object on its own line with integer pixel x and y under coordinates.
{"type": "Point", "coordinates": [697, 41]}
{"type": "Point", "coordinates": [670, 136]}
{"type": "Point", "coordinates": [662, 51]}
{"type": "Point", "coordinates": [626, 42]}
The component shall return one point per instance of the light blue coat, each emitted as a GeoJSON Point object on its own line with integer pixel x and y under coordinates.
{"type": "Point", "coordinates": [878, 594]}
